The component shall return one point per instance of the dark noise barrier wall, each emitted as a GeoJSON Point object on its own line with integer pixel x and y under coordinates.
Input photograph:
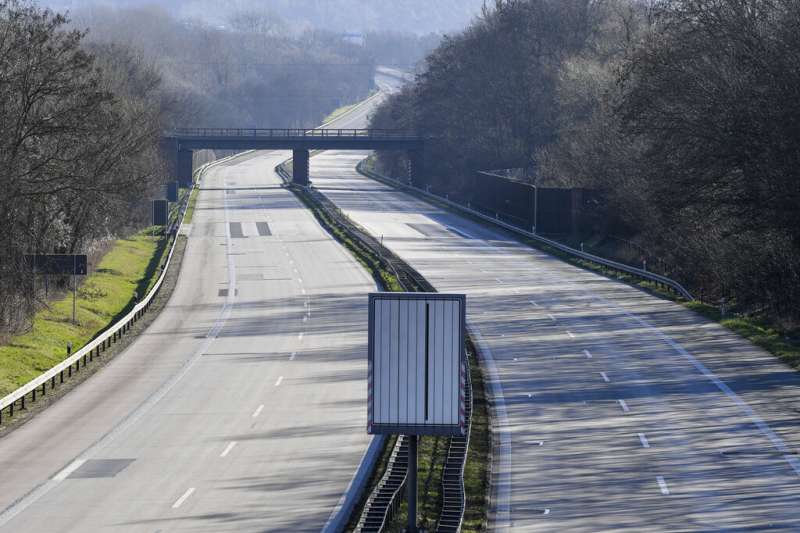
{"type": "Point", "coordinates": [550, 210]}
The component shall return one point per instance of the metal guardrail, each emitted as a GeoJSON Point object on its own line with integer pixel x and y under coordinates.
{"type": "Point", "coordinates": [292, 133]}
{"type": "Point", "coordinates": [614, 265]}
{"type": "Point", "coordinates": [384, 500]}
{"type": "Point", "coordinates": [104, 340]}
{"type": "Point", "coordinates": [453, 495]}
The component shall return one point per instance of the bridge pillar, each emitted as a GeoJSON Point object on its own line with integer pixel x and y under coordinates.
{"type": "Point", "coordinates": [300, 164]}
{"type": "Point", "coordinates": [185, 167]}
{"type": "Point", "coordinates": [416, 168]}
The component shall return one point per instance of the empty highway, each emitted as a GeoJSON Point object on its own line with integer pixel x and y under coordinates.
{"type": "Point", "coordinates": [242, 408]}
{"type": "Point", "coordinates": [619, 411]}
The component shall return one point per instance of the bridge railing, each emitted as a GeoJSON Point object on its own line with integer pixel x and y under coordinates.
{"type": "Point", "coordinates": [292, 133]}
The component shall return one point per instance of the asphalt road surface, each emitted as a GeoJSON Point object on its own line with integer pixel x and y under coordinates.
{"type": "Point", "coordinates": [243, 406]}
{"type": "Point", "coordinates": [619, 411]}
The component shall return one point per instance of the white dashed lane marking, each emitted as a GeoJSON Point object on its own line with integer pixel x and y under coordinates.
{"type": "Point", "coordinates": [183, 498]}
{"type": "Point", "coordinates": [228, 449]}
{"type": "Point", "coordinates": [624, 406]}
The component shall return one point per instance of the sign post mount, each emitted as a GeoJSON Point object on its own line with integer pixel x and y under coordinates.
{"type": "Point", "coordinates": [416, 371]}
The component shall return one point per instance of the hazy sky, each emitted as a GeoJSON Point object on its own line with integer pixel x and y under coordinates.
{"type": "Point", "coordinates": [419, 16]}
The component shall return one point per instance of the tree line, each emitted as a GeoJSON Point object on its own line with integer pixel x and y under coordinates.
{"type": "Point", "coordinates": [84, 103]}
{"type": "Point", "coordinates": [79, 134]}
{"type": "Point", "coordinates": [683, 113]}
{"type": "Point", "coordinates": [253, 72]}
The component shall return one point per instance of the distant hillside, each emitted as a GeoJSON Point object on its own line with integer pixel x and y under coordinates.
{"type": "Point", "coordinates": [418, 16]}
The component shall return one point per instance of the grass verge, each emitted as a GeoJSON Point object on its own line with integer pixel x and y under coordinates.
{"type": "Point", "coordinates": [191, 205]}
{"type": "Point", "coordinates": [130, 266]}
{"type": "Point", "coordinates": [337, 113]}
{"type": "Point", "coordinates": [53, 395]}
{"type": "Point", "coordinates": [432, 450]}
{"type": "Point", "coordinates": [476, 471]}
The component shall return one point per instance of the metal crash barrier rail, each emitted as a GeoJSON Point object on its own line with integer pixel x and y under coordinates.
{"type": "Point", "coordinates": [614, 265]}
{"type": "Point", "coordinates": [39, 385]}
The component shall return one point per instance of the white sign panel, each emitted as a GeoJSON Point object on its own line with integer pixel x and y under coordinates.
{"type": "Point", "coordinates": [416, 363]}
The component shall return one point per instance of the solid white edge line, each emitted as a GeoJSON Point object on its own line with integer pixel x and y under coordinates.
{"type": "Point", "coordinates": [64, 474]}
{"type": "Point", "coordinates": [228, 448]}
{"type": "Point", "coordinates": [500, 494]}
{"type": "Point", "coordinates": [662, 485]}
{"type": "Point", "coordinates": [763, 427]}
{"type": "Point", "coordinates": [183, 498]}
{"type": "Point", "coordinates": [643, 440]}
{"type": "Point", "coordinates": [8, 514]}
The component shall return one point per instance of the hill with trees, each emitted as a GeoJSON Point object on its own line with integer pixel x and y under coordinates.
{"type": "Point", "coordinates": [683, 113]}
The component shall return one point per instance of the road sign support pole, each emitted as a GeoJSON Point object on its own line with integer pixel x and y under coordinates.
{"type": "Point", "coordinates": [411, 484]}
{"type": "Point", "coordinates": [74, 297]}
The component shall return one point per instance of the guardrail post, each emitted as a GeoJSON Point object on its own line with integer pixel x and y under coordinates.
{"type": "Point", "coordinates": [22, 403]}
{"type": "Point", "coordinates": [62, 376]}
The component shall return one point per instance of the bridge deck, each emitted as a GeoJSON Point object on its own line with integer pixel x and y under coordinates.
{"type": "Point", "coordinates": [294, 138]}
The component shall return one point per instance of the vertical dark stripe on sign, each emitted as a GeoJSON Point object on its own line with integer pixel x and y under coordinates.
{"type": "Point", "coordinates": [427, 352]}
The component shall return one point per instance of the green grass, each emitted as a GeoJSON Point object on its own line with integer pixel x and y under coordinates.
{"type": "Point", "coordinates": [476, 471]}
{"type": "Point", "coordinates": [432, 450]}
{"type": "Point", "coordinates": [338, 113]}
{"type": "Point", "coordinates": [431, 454]}
{"type": "Point", "coordinates": [783, 344]}
{"type": "Point", "coordinates": [191, 206]}
{"type": "Point", "coordinates": [131, 265]}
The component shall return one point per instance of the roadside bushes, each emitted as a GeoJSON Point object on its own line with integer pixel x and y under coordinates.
{"type": "Point", "coordinates": [684, 113]}
{"type": "Point", "coordinates": [78, 144]}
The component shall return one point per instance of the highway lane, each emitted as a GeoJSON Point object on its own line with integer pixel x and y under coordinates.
{"type": "Point", "coordinates": [242, 406]}
{"type": "Point", "coordinates": [624, 412]}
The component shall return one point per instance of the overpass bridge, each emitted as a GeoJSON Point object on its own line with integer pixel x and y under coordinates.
{"type": "Point", "coordinates": [301, 141]}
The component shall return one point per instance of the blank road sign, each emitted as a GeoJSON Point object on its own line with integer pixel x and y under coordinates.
{"type": "Point", "coordinates": [172, 191]}
{"type": "Point", "coordinates": [416, 364]}
{"type": "Point", "coordinates": [54, 264]}
{"type": "Point", "coordinates": [160, 212]}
